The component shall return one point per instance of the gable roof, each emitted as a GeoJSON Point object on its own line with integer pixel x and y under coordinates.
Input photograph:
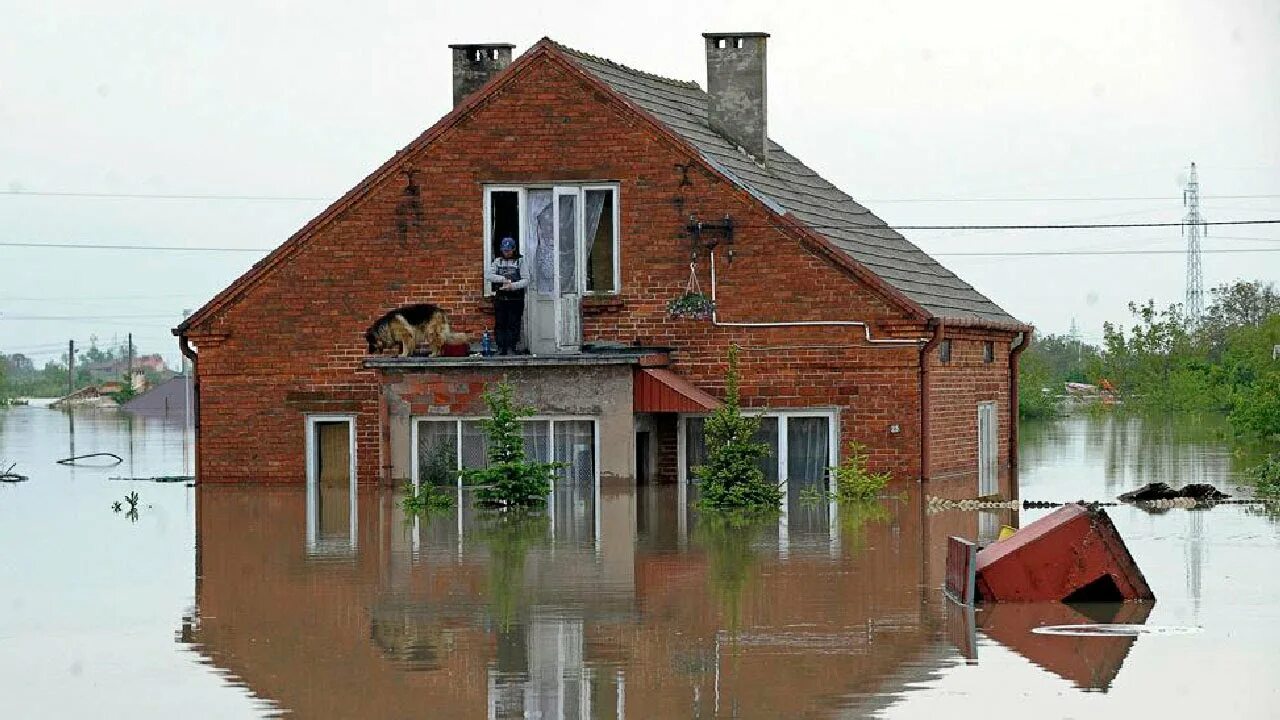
{"type": "Point", "coordinates": [790, 187]}
{"type": "Point", "coordinates": [787, 187]}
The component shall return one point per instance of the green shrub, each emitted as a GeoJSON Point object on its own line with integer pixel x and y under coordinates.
{"type": "Point", "coordinates": [853, 482]}
{"type": "Point", "coordinates": [424, 499]}
{"type": "Point", "coordinates": [1266, 475]}
{"type": "Point", "coordinates": [510, 480]}
{"type": "Point", "coordinates": [731, 476]}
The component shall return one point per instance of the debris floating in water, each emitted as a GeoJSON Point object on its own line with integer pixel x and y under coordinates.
{"type": "Point", "coordinates": [76, 459]}
{"type": "Point", "coordinates": [937, 504]}
{"type": "Point", "coordinates": [9, 476]}
{"type": "Point", "coordinates": [1073, 554]}
{"type": "Point", "coordinates": [1196, 492]}
{"type": "Point", "coordinates": [1111, 630]}
{"type": "Point", "coordinates": [159, 479]}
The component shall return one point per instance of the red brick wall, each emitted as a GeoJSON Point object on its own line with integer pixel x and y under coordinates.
{"type": "Point", "coordinates": [300, 329]}
{"type": "Point", "coordinates": [956, 388]}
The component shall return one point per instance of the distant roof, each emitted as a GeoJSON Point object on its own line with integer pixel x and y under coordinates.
{"type": "Point", "coordinates": [790, 186]}
{"type": "Point", "coordinates": [168, 396]}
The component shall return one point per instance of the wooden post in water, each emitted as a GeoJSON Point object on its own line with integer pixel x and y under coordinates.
{"type": "Point", "coordinates": [71, 366]}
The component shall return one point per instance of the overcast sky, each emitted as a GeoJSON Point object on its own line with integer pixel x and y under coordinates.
{"type": "Point", "coordinates": [929, 113]}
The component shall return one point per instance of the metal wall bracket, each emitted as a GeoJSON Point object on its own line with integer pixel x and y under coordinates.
{"type": "Point", "coordinates": [710, 235]}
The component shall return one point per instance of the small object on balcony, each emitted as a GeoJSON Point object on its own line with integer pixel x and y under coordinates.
{"type": "Point", "coordinates": [455, 349]}
{"type": "Point", "coordinates": [486, 344]}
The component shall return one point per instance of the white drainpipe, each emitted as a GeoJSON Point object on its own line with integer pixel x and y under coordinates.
{"type": "Point", "coordinates": [802, 323]}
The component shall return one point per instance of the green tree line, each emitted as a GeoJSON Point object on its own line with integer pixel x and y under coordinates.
{"type": "Point", "coordinates": [21, 377]}
{"type": "Point", "coordinates": [1164, 361]}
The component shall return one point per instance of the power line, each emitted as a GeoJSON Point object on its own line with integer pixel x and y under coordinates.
{"type": "Point", "coordinates": [1065, 226]}
{"type": "Point", "coordinates": [305, 198]}
{"type": "Point", "coordinates": [101, 246]}
{"type": "Point", "coordinates": [170, 316]}
{"type": "Point", "coordinates": [162, 196]}
{"type": "Point", "coordinates": [1032, 253]}
{"type": "Point", "coordinates": [1057, 199]}
{"type": "Point", "coordinates": [1070, 226]}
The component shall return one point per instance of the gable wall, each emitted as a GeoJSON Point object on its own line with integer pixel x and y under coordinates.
{"type": "Point", "coordinates": [295, 340]}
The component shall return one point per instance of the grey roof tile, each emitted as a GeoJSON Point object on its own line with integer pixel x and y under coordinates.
{"type": "Point", "coordinates": [788, 184]}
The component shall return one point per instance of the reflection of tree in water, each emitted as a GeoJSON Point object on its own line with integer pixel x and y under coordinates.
{"type": "Point", "coordinates": [727, 537]}
{"type": "Point", "coordinates": [856, 517]}
{"type": "Point", "coordinates": [509, 537]}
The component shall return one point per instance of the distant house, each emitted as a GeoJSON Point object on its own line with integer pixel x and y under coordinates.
{"type": "Point", "coordinates": [89, 397]}
{"type": "Point", "coordinates": [623, 190]}
{"type": "Point", "coordinates": [169, 396]}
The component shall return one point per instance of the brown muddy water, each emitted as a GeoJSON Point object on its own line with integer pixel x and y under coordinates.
{"type": "Point", "coordinates": [226, 602]}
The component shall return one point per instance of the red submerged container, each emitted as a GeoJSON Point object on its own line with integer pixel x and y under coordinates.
{"type": "Point", "coordinates": [1073, 554]}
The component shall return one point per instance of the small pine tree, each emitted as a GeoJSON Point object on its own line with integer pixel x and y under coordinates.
{"type": "Point", "coordinates": [510, 480]}
{"type": "Point", "coordinates": [731, 476]}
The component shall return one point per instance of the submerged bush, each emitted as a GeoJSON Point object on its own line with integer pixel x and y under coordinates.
{"type": "Point", "coordinates": [511, 479]}
{"type": "Point", "coordinates": [853, 482]}
{"type": "Point", "coordinates": [424, 498]}
{"type": "Point", "coordinates": [731, 477]}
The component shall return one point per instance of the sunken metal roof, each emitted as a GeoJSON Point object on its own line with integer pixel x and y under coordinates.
{"type": "Point", "coordinates": [789, 186]}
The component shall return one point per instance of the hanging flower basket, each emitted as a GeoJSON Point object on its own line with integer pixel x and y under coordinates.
{"type": "Point", "coordinates": [693, 305]}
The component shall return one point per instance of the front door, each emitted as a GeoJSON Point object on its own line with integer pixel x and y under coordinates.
{"type": "Point", "coordinates": [568, 273]}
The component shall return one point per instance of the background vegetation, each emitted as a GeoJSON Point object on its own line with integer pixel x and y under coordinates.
{"type": "Point", "coordinates": [1166, 362]}
{"type": "Point", "coordinates": [20, 377]}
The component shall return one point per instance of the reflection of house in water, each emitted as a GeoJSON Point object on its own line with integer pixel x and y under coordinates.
{"type": "Point", "coordinates": [1090, 662]}
{"type": "Point", "coordinates": [633, 609]}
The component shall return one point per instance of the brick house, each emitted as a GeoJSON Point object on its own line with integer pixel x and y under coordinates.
{"type": "Point", "coordinates": [619, 186]}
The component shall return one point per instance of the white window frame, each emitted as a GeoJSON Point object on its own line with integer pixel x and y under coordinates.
{"type": "Point", "coordinates": [989, 451]}
{"type": "Point", "coordinates": [833, 437]}
{"type": "Point", "coordinates": [523, 209]}
{"type": "Point", "coordinates": [459, 419]}
{"type": "Point", "coordinates": [314, 544]}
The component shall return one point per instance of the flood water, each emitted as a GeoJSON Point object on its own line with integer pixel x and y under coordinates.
{"type": "Point", "coordinates": [223, 602]}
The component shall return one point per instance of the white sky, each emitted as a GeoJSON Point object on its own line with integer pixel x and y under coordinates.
{"type": "Point", "coordinates": [890, 101]}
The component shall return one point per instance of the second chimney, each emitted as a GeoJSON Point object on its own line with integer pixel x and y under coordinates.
{"type": "Point", "coordinates": [474, 64]}
{"type": "Point", "coordinates": [736, 85]}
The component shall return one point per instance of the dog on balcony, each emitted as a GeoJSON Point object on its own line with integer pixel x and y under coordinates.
{"type": "Point", "coordinates": [405, 328]}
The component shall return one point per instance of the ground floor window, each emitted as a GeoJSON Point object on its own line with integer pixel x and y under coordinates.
{"type": "Point", "coordinates": [802, 446]}
{"type": "Point", "coordinates": [331, 483]}
{"type": "Point", "coordinates": [446, 446]}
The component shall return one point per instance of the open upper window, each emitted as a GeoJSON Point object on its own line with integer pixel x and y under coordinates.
{"type": "Point", "coordinates": [572, 229]}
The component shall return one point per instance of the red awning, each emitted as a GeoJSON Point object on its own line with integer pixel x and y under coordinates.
{"type": "Point", "coordinates": [660, 390]}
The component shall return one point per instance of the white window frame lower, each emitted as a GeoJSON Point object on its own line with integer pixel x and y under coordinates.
{"type": "Point", "coordinates": [833, 437]}
{"type": "Point", "coordinates": [458, 420]}
{"type": "Point", "coordinates": [523, 209]}
{"type": "Point", "coordinates": [457, 433]}
{"type": "Point", "coordinates": [314, 544]}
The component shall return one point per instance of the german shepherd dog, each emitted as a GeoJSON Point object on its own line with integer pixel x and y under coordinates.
{"type": "Point", "coordinates": [405, 328]}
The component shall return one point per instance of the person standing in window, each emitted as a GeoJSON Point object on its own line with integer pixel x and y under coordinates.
{"type": "Point", "coordinates": [509, 277]}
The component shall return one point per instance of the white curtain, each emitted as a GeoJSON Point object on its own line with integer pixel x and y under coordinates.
{"type": "Point", "coordinates": [539, 232]}
{"type": "Point", "coordinates": [808, 449]}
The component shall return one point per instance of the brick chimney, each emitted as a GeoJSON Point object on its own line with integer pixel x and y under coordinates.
{"type": "Point", "coordinates": [474, 64]}
{"type": "Point", "coordinates": [736, 83]}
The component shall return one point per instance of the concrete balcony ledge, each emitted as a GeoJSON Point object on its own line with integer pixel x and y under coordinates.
{"type": "Point", "coordinates": [643, 357]}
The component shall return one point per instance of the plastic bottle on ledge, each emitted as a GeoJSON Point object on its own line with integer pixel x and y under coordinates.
{"type": "Point", "coordinates": [486, 344]}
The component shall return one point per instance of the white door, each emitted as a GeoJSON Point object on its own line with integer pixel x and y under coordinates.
{"type": "Point", "coordinates": [540, 299]}
{"type": "Point", "coordinates": [988, 467]}
{"type": "Point", "coordinates": [568, 270]}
